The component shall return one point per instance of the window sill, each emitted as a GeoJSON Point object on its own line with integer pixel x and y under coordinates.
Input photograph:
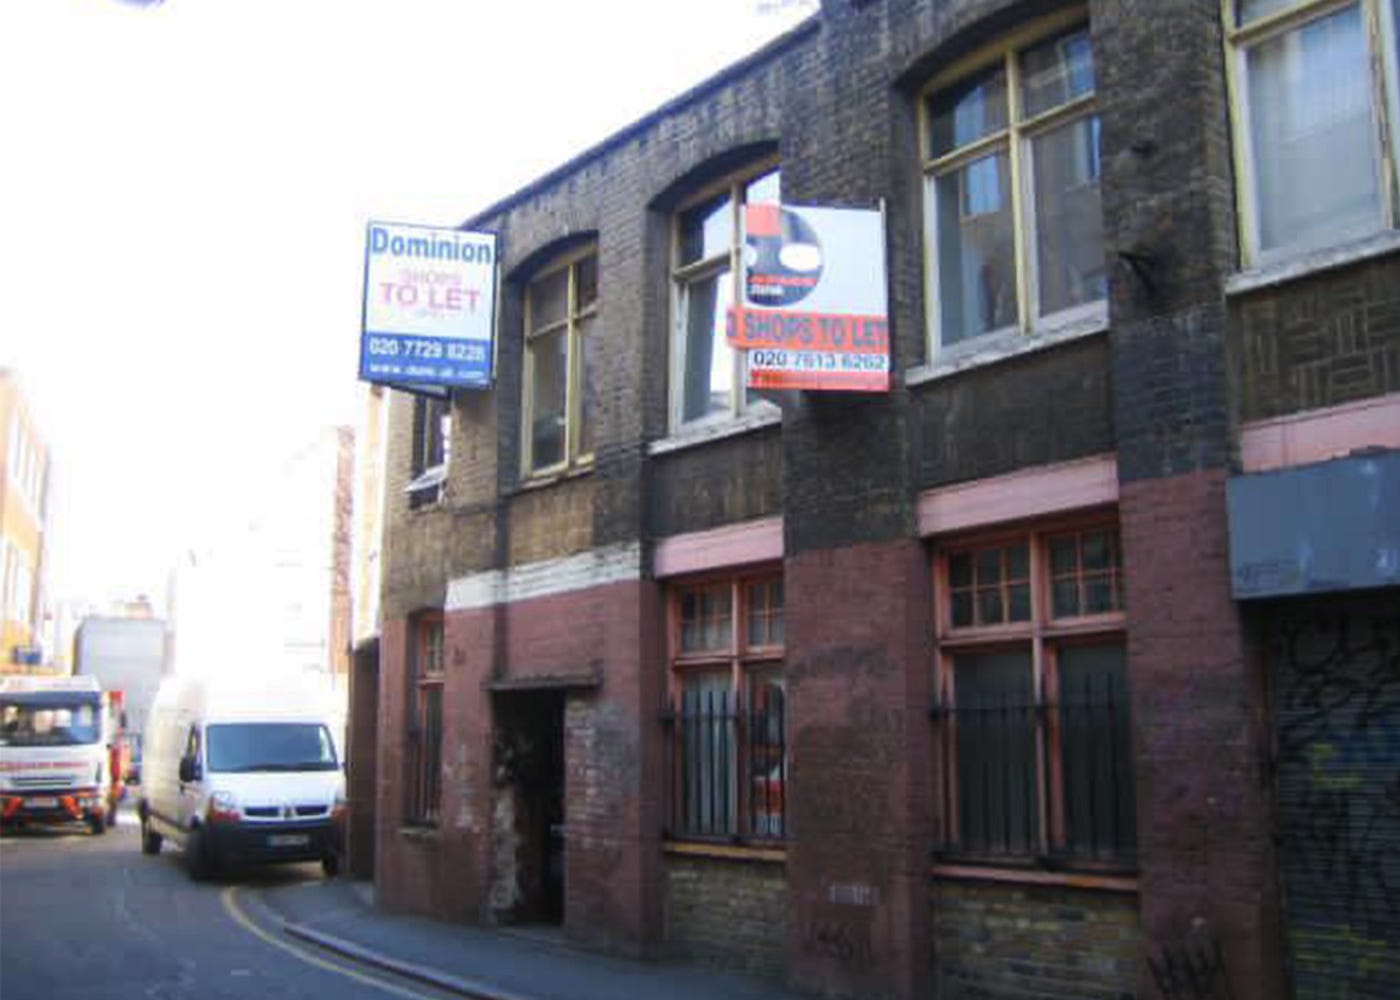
{"type": "Point", "coordinates": [764, 414]}
{"type": "Point", "coordinates": [998, 347]}
{"type": "Point", "coordinates": [726, 852]}
{"type": "Point", "coordinates": [553, 478]}
{"type": "Point", "coordinates": [1026, 876]}
{"type": "Point", "coordinates": [420, 833]}
{"type": "Point", "coordinates": [1313, 262]}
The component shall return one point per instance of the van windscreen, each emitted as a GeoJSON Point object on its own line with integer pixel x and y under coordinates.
{"type": "Point", "coordinates": [269, 746]}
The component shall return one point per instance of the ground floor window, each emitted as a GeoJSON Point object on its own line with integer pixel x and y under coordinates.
{"type": "Point", "coordinates": [424, 729]}
{"type": "Point", "coordinates": [1032, 709]}
{"type": "Point", "coordinates": [726, 720]}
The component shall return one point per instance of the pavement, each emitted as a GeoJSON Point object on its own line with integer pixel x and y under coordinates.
{"type": "Point", "coordinates": [339, 915]}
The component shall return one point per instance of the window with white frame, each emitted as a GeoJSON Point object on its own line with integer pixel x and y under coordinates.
{"type": "Point", "coordinates": [708, 377]}
{"type": "Point", "coordinates": [1032, 710]}
{"type": "Point", "coordinates": [1011, 163]}
{"type": "Point", "coordinates": [561, 364]}
{"type": "Point", "coordinates": [1314, 84]}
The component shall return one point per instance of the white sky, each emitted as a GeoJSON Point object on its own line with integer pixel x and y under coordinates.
{"type": "Point", "coordinates": [183, 193]}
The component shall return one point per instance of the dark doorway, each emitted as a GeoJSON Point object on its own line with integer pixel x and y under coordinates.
{"type": "Point", "coordinates": [529, 771]}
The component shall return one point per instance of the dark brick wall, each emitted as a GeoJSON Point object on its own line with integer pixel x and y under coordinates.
{"type": "Point", "coordinates": [729, 914]}
{"type": "Point", "coordinates": [1333, 338]}
{"type": "Point", "coordinates": [735, 479]}
{"type": "Point", "coordinates": [1034, 941]}
{"type": "Point", "coordinates": [1052, 406]}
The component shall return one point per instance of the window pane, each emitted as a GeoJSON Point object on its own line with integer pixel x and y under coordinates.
{"type": "Point", "coordinates": [967, 113]}
{"type": "Point", "coordinates": [586, 283]}
{"type": "Point", "coordinates": [767, 754]}
{"type": "Point", "coordinates": [765, 613]}
{"type": "Point", "coordinates": [1019, 603]}
{"type": "Point", "coordinates": [551, 364]}
{"type": "Point", "coordinates": [707, 229]}
{"type": "Point", "coordinates": [708, 380]}
{"type": "Point", "coordinates": [1057, 72]}
{"type": "Point", "coordinates": [549, 299]}
{"type": "Point", "coordinates": [962, 608]}
{"type": "Point", "coordinates": [1065, 598]}
{"type": "Point", "coordinates": [988, 566]}
{"type": "Point", "coordinates": [708, 756]}
{"type": "Point", "coordinates": [1068, 217]}
{"type": "Point", "coordinates": [996, 769]}
{"type": "Point", "coordinates": [1253, 10]}
{"type": "Point", "coordinates": [976, 249]}
{"type": "Point", "coordinates": [588, 382]}
{"type": "Point", "coordinates": [1316, 161]}
{"type": "Point", "coordinates": [1096, 751]}
{"type": "Point", "coordinates": [989, 610]}
{"type": "Point", "coordinates": [767, 188]}
{"type": "Point", "coordinates": [960, 569]}
{"type": "Point", "coordinates": [706, 619]}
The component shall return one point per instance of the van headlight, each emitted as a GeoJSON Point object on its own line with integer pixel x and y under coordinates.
{"type": "Point", "coordinates": [340, 805]}
{"type": "Point", "coordinates": [223, 808]}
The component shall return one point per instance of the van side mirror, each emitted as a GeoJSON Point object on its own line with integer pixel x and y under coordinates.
{"type": "Point", "coordinates": [189, 769]}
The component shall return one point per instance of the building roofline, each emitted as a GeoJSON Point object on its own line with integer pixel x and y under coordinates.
{"type": "Point", "coordinates": [786, 40]}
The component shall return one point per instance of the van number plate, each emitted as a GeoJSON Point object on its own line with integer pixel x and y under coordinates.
{"type": "Point", "coordinates": [288, 840]}
{"type": "Point", "coordinates": [42, 802]}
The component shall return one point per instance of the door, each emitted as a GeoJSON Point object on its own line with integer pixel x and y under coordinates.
{"type": "Point", "coordinates": [531, 841]}
{"type": "Point", "coordinates": [1335, 673]}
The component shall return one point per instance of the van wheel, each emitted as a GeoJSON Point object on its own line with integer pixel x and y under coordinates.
{"type": "Point", "coordinates": [330, 865]}
{"type": "Point", "coordinates": [97, 824]}
{"type": "Point", "coordinates": [197, 861]}
{"type": "Point", "coordinates": [150, 840]}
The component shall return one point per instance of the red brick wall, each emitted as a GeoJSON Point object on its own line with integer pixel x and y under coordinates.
{"type": "Point", "coordinates": [1206, 861]}
{"type": "Point", "coordinates": [858, 622]}
{"type": "Point", "coordinates": [612, 754]}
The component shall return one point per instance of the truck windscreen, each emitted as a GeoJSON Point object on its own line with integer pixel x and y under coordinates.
{"type": "Point", "coordinates": [269, 746]}
{"type": "Point", "coordinates": [49, 722]}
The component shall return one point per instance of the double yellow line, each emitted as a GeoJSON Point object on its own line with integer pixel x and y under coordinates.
{"type": "Point", "coordinates": [234, 908]}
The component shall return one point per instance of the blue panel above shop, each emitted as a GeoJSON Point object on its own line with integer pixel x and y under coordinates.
{"type": "Point", "coordinates": [1333, 526]}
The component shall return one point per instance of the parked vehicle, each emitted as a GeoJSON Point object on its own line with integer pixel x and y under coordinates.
{"type": "Point", "coordinates": [62, 751]}
{"type": "Point", "coordinates": [237, 775]}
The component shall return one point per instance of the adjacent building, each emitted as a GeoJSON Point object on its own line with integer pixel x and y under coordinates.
{"type": "Point", "coordinates": [1066, 668]}
{"type": "Point", "coordinates": [24, 529]}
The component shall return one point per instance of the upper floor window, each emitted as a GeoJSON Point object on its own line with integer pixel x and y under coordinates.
{"type": "Point", "coordinates": [1011, 163]}
{"type": "Point", "coordinates": [431, 424]}
{"type": "Point", "coordinates": [561, 368]}
{"type": "Point", "coordinates": [1315, 82]}
{"type": "Point", "coordinates": [708, 377]}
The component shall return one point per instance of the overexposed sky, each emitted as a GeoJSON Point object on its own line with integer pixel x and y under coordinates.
{"type": "Point", "coordinates": [183, 193]}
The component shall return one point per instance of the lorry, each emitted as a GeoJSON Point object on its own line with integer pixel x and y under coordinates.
{"type": "Point", "coordinates": [242, 772]}
{"type": "Point", "coordinates": [63, 753]}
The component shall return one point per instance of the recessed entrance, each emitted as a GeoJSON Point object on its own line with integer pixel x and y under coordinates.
{"type": "Point", "coordinates": [528, 771]}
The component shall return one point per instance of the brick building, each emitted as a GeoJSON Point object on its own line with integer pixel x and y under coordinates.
{"type": "Point", "coordinates": [1066, 668]}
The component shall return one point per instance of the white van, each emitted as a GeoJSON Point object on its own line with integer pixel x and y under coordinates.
{"type": "Point", "coordinates": [237, 774]}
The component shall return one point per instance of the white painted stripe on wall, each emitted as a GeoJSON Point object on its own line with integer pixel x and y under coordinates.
{"type": "Point", "coordinates": [611, 564]}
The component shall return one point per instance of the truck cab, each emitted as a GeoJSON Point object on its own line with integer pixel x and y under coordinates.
{"type": "Point", "coordinates": [56, 740]}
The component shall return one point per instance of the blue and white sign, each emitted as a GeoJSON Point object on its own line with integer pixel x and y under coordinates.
{"type": "Point", "coordinates": [429, 306]}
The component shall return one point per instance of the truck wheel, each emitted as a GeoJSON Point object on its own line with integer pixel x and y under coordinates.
{"type": "Point", "coordinates": [150, 840]}
{"type": "Point", "coordinates": [197, 862]}
{"type": "Point", "coordinates": [97, 824]}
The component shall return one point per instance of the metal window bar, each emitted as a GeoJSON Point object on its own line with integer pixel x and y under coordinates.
{"type": "Point", "coordinates": [425, 760]}
{"type": "Point", "coordinates": [991, 752]}
{"type": "Point", "coordinates": [728, 767]}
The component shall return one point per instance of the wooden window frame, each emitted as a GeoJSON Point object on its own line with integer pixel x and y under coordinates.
{"type": "Point", "coordinates": [1044, 636]}
{"type": "Point", "coordinates": [743, 661]}
{"type": "Point", "coordinates": [1381, 38]}
{"type": "Point", "coordinates": [574, 387]}
{"type": "Point", "coordinates": [1014, 139]}
{"type": "Point", "coordinates": [683, 276]}
{"type": "Point", "coordinates": [426, 658]}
